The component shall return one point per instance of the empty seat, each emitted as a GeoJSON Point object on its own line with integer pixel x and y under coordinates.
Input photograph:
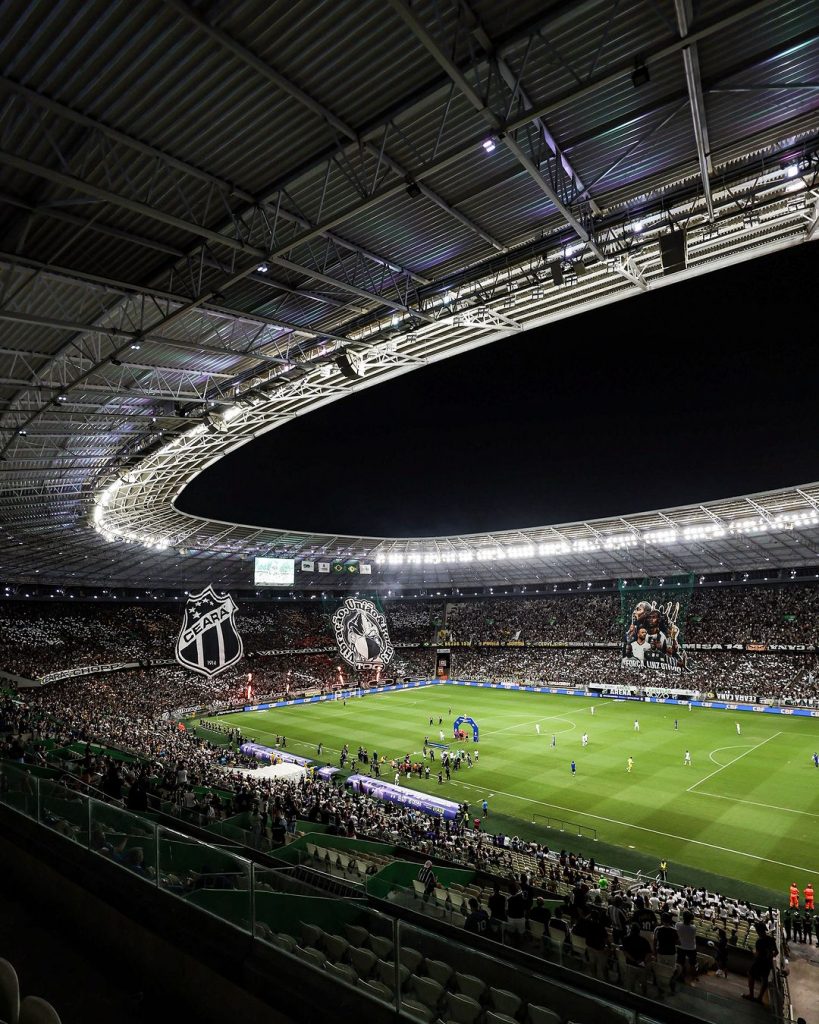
{"type": "Point", "coordinates": [377, 989]}
{"type": "Point", "coordinates": [505, 1002]}
{"type": "Point", "coordinates": [438, 971]}
{"type": "Point", "coordinates": [336, 947]}
{"type": "Point", "coordinates": [469, 985]}
{"type": "Point", "coordinates": [314, 956]}
{"type": "Point", "coordinates": [417, 1009]}
{"type": "Point", "coordinates": [458, 920]}
{"type": "Point", "coordinates": [311, 934]}
{"type": "Point", "coordinates": [428, 991]}
{"type": "Point", "coordinates": [343, 972]}
{"type": "Point", "coordinates": [540, 1015]}
{"type": "Point", "coordinates": [9, 993]}
{"type": "Point", "coordinates": [462, 1009]}
{"type": "Point", "coordinates": [385, 971]}
{"type": "Point", "coordinates": [356, 935]}
{"type": "Point", "coordinates": [380, 946]}
{"type": "Point", "coordinates": [364, 961]}
{"type": "Point", "coordinates": [34, 1010]}
{"type": "Point", "coordinates": [285, 941]}
{"type": "Point", "coordinates": [537, 929]}
{"type": "Point", "coordinates": [411, 958]}
{"type": "Point", "coordinates": [498, 1018]}
{"type": "Point", "coordinates": [418, 887]}
{"type": "Point", "coordinates": [363, 867]}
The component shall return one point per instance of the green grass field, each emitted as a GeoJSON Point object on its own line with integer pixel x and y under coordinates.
{"type": "Point", "coordinates": [746, 810]}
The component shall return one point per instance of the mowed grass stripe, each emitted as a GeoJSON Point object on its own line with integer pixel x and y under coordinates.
{"type": "Point", "coordinates": [743, 834]}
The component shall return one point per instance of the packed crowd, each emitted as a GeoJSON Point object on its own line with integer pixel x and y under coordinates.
{"type": "Point", "coordinates": [40, 637]}
{"type": "Point", "coordinates": [727, 675]}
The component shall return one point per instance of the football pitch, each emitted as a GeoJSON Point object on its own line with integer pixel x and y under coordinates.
{"type": "Point", "coordinates": [746, 809]}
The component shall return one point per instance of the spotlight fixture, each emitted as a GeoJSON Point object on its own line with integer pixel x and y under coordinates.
{"type": "Point", "coordinates": [489, 145]}
{"type": "Point", "coordinates": [640, 75]}
{"type": "Point", "coordinates": [262, 268]}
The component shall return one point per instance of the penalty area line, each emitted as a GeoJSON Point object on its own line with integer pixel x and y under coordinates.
{"type": "Point", "coordinates": [644, 828]}
{"type": "Point", "coordinates": [734, 760]}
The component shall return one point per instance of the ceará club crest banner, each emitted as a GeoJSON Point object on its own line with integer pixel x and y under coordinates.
{"type": "Point", "coordinates": [209, 642]}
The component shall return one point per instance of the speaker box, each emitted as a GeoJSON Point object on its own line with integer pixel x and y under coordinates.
{"type": "Point", "coordinates": [557, 273]}
{"type": "Point", "coordinates": [346, 367]}
{"type": "Point", "coordinates": [672, 252]}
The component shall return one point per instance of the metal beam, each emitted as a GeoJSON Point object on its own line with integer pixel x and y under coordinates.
{"type": "Point", "coordinates": [683, 10]}
{"type": "Point", "coordinates": [409, 17]}
{"type": "Point", "coordinates": [338, 125]}
{"type": "Point", "coordinates": [217, 238]}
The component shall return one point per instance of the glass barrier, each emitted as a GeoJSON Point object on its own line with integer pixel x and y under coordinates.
{"type": "Point", "coordinates": [124, 838]}
{"type": "Point", "coordinates": [208, 877]}
{"type": "Point", "coordinates": [64, 810]}
{"type": "Point", "coordinates": [413, 968]}
{"type": "Point", "coordinates": [18, 789]}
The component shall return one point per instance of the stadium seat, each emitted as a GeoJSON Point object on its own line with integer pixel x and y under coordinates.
{"type": "Point", "coordinates": [364, 961]}
{"type": "Point", "coordinates": [429, 992]}
{"type": "Point", "coordinates": [356, 935]}
{"type": "Point", "coordinates": [336, 947]}
{"type": "Point", "coordinates": [458, 920]}
{"type": "Point", "coordinates": [498, 1018]}
{"type": "Point", "coordinates": [363, 867]}
{"type": "Point", "coordinates": [471, 986]}
{"type": "Point", "coordinates": [537, 928]}
{"type": "Point", "coordinates": [411, 958]}
{"type": "Point", "coordinates": [377, 989]}
{"type": "Point", "coordinates": [419, 888]}
{"type": "Point", "coordinates": [417, 1010]}
{"type": "Point", "coordinates": [343, 972]}
{"type": "Point", "coordinates": [311, 934]}
{"type": "Point", "coordinates": [285, 941]}
{"type": "Point", "coordinates": [313, 956]}
{"type": "Point", "coordinates": [541, 1015]}
{"type": "Point", "coordinates": [462, 1009]}
{"type": "Point", "coordinates": [386, 974]}
{"type": "Point", "coordinates": [380, 946]}
{"type": "Point", "coordinates": [439, 971]}
{"type": "Point", "coordinates": [34, 1010]}
{"type": "Point", "coordinates": [9, 993]}
{"type": "Point", "coordinates": [504, 1002]}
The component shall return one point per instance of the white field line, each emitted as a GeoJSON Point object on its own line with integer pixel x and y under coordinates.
{"type": "Point", "coordinates": [755, 803]}
{"type": "Point", "coordinates": [734, 746]}
{"type": "Point", "coordinates": [644, 828]}
{"type": "Point", "coordinates": [739, 757]}
{"type": "Point", "coordinates": [550, 718]}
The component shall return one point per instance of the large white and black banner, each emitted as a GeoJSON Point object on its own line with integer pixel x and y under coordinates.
{"type": "Point", "coordinates": [209, 641]}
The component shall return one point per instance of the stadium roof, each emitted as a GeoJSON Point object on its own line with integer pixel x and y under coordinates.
{"type": "Point", "coordinates": [216, 217]}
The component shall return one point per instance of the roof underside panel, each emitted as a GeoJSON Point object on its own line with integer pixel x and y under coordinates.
{"type": "Point", "coordinates": [203, 203]}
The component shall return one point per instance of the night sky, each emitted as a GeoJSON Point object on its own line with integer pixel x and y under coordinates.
{"type": "Point", "coordinates": [705, 389]}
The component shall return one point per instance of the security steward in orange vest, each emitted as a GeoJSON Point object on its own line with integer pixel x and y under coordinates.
{"type": "Point", "coordinates": [794, 891]}
{"type": "Point", "coordinates": [809, 896]}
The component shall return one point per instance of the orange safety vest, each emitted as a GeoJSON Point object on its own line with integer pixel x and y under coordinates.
{"type": "Point", "coordinates": [794, 893]}
{"type": "Point", "coordinates": [809, 894]}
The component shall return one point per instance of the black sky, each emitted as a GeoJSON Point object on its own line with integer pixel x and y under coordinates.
{"type": "Point", "coordinates": [704, 389]}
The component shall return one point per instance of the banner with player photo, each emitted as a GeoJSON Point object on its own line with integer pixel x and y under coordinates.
{"type": "Point", "coordinates": [653, 614]}
{"type": "Point", "coordinates": [443, 663]}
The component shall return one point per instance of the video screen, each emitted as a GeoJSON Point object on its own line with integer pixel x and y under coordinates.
{"type": "Point", "coordinates": [274, 572]}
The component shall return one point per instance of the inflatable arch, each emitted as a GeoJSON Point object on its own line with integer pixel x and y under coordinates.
{"type": "Point", "coordinates": [469, 721]}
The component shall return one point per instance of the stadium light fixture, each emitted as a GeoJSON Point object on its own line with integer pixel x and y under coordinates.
{"type": "Point", "coordinates": [791, 170]}
{"type": "Point", "coordinates": [488, 145]}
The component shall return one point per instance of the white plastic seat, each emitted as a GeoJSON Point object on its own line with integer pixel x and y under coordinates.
{"type": "Point", "coordinates": [439, 971]}
{"type": "Point", "coordinates": [471, 986]}
{"type": "Point", "coordinates": [411, 958]}
{"type": "Point", "coordinates": [34, 1010]}
{"type": "Point", "coordinates": [9, 993]}
{"type": "Point", "coordinates": [336, 947]}
{"type": "Point", "coordinates": [504, 1002]}
{"type": "Point", "coordinates": [462, 1009]}
{"type": "Point", "coordinates": [541, 1015]}
{"type": "Point", "coordinates": [356, 935]}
